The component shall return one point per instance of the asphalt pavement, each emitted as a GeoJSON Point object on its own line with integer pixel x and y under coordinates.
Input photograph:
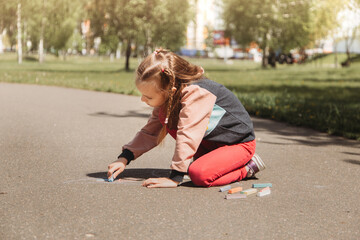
{"type": "Point", "coordinates": [56, 143]}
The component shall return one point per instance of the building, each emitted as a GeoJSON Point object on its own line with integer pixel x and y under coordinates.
{"type": "Point", "coordinates": [207, 19]}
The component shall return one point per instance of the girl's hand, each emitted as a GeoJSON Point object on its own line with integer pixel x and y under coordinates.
{"type": "Point", "coordinates": [160, 183]}
{"type": "Point", "coordinates": [116, 167]}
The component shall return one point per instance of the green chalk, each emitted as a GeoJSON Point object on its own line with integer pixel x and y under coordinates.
{"type": "Point", "coordinates": [261, 185]}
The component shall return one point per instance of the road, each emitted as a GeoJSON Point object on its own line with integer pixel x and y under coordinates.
{"type": "Point", "coordinates": [56, 143]}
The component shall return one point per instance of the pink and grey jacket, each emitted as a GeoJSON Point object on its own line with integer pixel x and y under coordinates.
{"type": "Point", "coordinates": [209, 112]}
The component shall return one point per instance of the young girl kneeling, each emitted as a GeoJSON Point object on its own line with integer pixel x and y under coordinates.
{"type": "Point", "coordinates": [215, 141]}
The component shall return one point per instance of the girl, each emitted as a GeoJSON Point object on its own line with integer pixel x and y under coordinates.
{"type": "Point", "coordinates": [208, 122]}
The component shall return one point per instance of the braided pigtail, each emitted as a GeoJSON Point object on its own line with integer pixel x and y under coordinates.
{"type": "Point", "coordinates": [168, 77]}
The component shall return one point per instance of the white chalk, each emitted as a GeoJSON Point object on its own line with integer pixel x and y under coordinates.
{"type": "Point", "coordinates": [264, 193]}
{"type": "Point", "coordinates": [235, 196]}
{"type": "Point", "coordinates": [264, 189]}
{"type": "Point", "coordinates": [226, 188]}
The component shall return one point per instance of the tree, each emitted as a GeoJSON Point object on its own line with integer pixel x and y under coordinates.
{"type": "Point", "coordinates": [325, 22]}
{"type": "Point", "coordinates": [146, 23]}
{"type": "Point", "coordinates": [63, 17]}
{"type": "Point", "coordinates": [120, 18]}
{"type": "Point", "coordinates": [19, 35]}
{"type": "Point", "coordinates": [281, 24]}
{"type": "Point", "coordinates": [350, 27]}
{"type": "Point", "coordinates": [324, 18]}
{"type": "Point", "coordinates": [8, 11]}
{"type": "Point", "coordinates": [169, 24]}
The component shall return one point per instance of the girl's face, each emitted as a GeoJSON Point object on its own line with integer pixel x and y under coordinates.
{"type": "Point", "coordinates": [151, 94]}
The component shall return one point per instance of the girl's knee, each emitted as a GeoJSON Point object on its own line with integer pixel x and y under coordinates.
{"type": "Point", "coordinates": [198, 176]}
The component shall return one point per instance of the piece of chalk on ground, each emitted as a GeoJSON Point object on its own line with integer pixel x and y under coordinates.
{"type": "Point", "coordinates": [263, 193]}
{"type": "Point", "coordinates": [111, 179]}
{"type": "Point", "coordinates": [226, 188]}
{"type": "Point", "coordinates": [249, 191]}
{"type": "Point", "coordinates": [261, 185]}
{"type": "Point", "coordinates": [234, 190]}
{"type": "Point", "coordinates": [264, 189]}
{"type": "Point", "coordinates": [235, 196]}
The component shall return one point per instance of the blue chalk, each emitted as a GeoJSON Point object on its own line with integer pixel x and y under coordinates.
{"type": "Point", "coordinates": [111, 179]}
{"type": "Point", "coordinates": [261, 185]}
{"type": "Point", "coordinates": [226, 188]}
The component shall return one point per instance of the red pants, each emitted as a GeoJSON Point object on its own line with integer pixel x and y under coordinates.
{"type": "Point", "coordinates": [218, 164]}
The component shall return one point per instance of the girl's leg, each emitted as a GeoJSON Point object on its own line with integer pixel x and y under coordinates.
{"type": "Point", "coordinates": [222, 166]}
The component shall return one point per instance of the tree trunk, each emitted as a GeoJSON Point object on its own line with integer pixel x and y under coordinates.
{"type": "Point", "coordinates": [265, 50]}
{"type": "Point", "coordinates": [41, 42]}
{"type": "Point", "coordinates": [336, 56]}
{"type": "Point", "coordinates": [147, 47]}
{"type": "Point", "coordinates": [128, 53]}
{"type": "Point", "coordinates": [1, 42]}
{"type": "Point", "coordinates": [19, 34]}
{"type": "Point", "coordinates": [264, 58]}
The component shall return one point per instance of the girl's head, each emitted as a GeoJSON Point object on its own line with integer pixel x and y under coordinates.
{"type": "Point", "coordinates": [160, 78]}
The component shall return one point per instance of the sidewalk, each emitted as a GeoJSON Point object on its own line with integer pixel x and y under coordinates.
{"type": "Point", "coordinates": [56, 143]}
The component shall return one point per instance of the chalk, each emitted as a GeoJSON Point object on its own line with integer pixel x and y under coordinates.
{"type": "Point", "coordinates": [235, 196]}
{"type": "Point", "coordinates": [111, 179]}
{"type": "Point", "coordinates": [264, 192]}
{"type": "Point", "coordinates": [249, 191]}
{"type": "Point", "coordinates": [261, 185]}
{"type": "Point", "coordinates": [226, 188]}
{"type": "Point", "coordinates": [264, 189]}
{"type": "Point", "coordinates": [234, 190]}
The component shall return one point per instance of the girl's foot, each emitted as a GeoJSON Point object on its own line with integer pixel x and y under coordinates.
{"type": "Point", "coordinates": [255, 165]}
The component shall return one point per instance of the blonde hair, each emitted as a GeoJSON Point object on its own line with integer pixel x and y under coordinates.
{"type": "Point", "coordinates": [170, 71]}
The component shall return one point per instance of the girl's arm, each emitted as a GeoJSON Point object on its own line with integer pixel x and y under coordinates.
{"type": "Point", "coordinates": [145, 139]}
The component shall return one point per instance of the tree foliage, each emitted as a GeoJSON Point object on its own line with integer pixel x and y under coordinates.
{"type": "Point", "coordinates": [8, 19]}
{"type": "Point", "coordinates": [142, 23]}
{"type": "Point", "coordinates": [324, 21]}
{"type": "Point", "coordinates": [276, 24]}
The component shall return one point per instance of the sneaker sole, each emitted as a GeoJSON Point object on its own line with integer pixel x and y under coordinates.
{"type": "Point", "coordinates": [259, 162]}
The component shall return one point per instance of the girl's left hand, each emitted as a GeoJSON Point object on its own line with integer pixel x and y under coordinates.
{"type": "Point", "coordinates": [160, 183]}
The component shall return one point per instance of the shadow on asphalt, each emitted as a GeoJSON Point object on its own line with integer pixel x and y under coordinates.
{"type": "Point", "coordinates": [355, 162]}
{"type": "Point", "coordinates": [299, 136]}
{"type": "Point", "coordinates": [143, 173]}
{"type": "Point", "coordinates": [126, 115]}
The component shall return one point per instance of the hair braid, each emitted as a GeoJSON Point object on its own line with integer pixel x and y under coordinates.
{"type": "Point", "coordinates": [170, 103]}
{"type": "Point", "coordinates": [171, 72]}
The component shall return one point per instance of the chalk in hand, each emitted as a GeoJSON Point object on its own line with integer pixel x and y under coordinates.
{"type": "Point", "coordinates": [111, 179]}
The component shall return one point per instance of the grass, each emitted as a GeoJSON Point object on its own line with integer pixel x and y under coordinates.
{"type": "Point", "coordinates": [315, 95]}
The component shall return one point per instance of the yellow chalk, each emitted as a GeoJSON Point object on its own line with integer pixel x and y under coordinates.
{"type": "Point", "coordinates": [249, 191]}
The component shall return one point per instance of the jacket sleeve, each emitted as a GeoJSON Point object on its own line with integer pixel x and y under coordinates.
{"type": "Point", "coordinates": [146, 138]}
{"type": "Point", "coordinates": [197, 104]}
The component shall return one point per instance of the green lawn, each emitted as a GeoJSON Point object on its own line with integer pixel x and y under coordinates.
{"type": "Point", "coordinates": [316, 95]}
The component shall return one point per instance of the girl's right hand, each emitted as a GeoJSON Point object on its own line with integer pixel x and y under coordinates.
{"type": "Point", "coordinates": [116, 167]}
